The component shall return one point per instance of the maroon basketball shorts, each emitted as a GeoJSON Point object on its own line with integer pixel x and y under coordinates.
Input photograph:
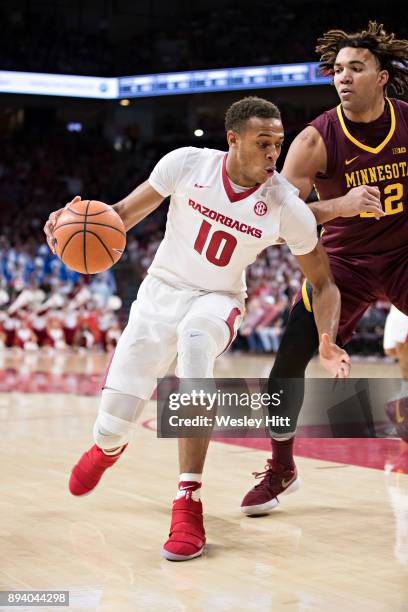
{"type": "Point", "coordinates": [362, 281]}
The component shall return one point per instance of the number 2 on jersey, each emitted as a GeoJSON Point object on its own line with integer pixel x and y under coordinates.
{"type": "Point", "coordinates": [220, 247]}
{"type": "Point", "coordinates": [393, 203]}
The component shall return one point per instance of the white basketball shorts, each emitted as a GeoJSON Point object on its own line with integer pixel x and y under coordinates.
{"type": "Point", "coordinates": [148, 344]}
{"type": "Point", "coordinates": [396, 328]}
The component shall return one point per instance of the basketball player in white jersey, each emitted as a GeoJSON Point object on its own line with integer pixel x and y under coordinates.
{"type": "Point", "coordinates": [225, 208]}
{"type": "Point", "coordinates": [396, 345]}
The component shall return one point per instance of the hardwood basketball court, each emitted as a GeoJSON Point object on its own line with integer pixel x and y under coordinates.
{"type": "Point", "coordinates": [340, 543]}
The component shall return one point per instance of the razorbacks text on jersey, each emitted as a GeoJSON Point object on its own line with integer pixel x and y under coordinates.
{"type": "Point", "coordinates": [213, 232]}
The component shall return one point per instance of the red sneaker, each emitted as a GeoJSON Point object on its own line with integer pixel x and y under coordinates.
{"type": "Point", "coordinates": [187, 536]}
{"type": "Point", "coordinates": [264, 496]}
{"type": "Point", "coordinates": [88, 471]}
{"type": "Point", "coordinates": [397, 412]}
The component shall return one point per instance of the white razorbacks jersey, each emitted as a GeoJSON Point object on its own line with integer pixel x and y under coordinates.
{"type": "Point", "coordinates": [213, 233]}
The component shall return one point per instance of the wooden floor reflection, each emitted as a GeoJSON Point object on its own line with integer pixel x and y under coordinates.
{"type": "Point", "coordinates": [340, 543]}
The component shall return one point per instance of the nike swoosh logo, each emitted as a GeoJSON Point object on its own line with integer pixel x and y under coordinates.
{"type": "Point", "coordinates": [348, 161]}
{"type": "Point", "coordinates": [398, 416]}
{"type": "Point", "coordinates": [202, 186]}
{"type": "Point", "coordinates": [184, 488]}
{"type": "Point", "coordinates": [286, 483]}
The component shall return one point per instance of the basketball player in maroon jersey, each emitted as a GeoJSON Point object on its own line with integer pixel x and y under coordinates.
{"type": "Point", "coordinates": [360, 145]}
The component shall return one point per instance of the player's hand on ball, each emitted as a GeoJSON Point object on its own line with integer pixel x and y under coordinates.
{"type": "Point", "coordinates": [51, 223]}
{"type": "Point", "coordinates": [363, 199]}
{"type": "Point", "coordinates": [334, 359]}
{"type": "Point", "coordinates": [88, 236]}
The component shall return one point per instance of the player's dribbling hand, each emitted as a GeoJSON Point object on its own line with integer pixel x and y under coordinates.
{"type": "Point", "coordinates": [334, 359]}
{"type": "Point", "coordinates": [363, 199]}
{"type": "Point", "coordinates": [52, 221]}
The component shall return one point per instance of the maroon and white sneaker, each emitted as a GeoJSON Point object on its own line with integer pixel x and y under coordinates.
{"type": "Point", "coordinates": [88, 471]}
{"type": "Point", "coordinates": [264, 496]}
{"type": "Point", "coordinates": [187, 535]}
{"type": "Point", "coordinates": [397, 412]}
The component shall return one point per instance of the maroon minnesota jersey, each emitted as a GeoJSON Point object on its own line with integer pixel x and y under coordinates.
{"type": "Point", "coordinates": [373, 154]}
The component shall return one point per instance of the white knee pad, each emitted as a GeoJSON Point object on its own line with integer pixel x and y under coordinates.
{"type": "Point", "coordinates": [198, 346]}
{"type": "Point", "coordinates": [116, 418]}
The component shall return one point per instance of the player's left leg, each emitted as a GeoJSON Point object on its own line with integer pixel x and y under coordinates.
{"type": "Point", "coordinates": [396, 345]}
{"type": "Point", "coordinates": [205, 332]}
{"type": "Point", "coordinates": [145, 350]}
{"type": "Point", "coordinates": [299, 343]}
{"type": "Point", "coordinates": [112, 431]}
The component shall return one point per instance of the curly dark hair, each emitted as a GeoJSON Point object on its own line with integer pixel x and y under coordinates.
{"type": "Point", "coordinates": [252, 106]}
{"type": "Point", "coordinates": [391, 53]}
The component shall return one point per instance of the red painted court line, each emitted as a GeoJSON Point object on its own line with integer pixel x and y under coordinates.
{"type": "Point", "coordinates": [378, 453]}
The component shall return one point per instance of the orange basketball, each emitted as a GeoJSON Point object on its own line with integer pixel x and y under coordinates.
{"type": "Point", "coordinates": [90, 236]}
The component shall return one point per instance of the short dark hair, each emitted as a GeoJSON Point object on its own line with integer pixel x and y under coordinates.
{"type": "Point", "coordinates": [391, 53]}
{"type": "Point", "coordinates": [252, 106]}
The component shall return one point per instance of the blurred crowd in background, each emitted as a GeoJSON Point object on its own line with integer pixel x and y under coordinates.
{"type": "Point", "coordinates": [42, 165]}
{"type": "Point", "coordinates": [45, 305]}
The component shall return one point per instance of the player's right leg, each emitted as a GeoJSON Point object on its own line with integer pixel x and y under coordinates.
{"type": "Point", "coordinates": [144, 352]}
{"type": "Point", "coordinates": [204, 333]}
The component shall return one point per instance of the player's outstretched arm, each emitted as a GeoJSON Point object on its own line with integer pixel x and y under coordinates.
{"type": "Point", "coordinates": [306, 158]}
{"type": "Point", "coordinates": [326, 309]}
{"type": "Point", "coordinates": [132, 209]}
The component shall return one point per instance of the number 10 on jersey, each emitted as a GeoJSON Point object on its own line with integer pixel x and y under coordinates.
{"type": "Point", "coordinates": [219, 245]}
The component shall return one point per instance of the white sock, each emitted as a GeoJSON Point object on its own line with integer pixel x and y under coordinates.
{"type": "Point", "coordinates": [189, 477]}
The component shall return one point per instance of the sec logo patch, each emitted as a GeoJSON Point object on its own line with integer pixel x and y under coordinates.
{"type": "Point", "coordinates": [260, 208]}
